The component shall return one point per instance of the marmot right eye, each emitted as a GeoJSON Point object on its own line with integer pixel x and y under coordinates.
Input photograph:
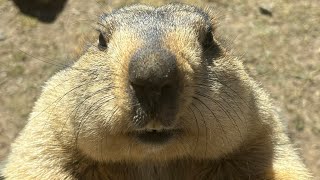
{"type": "Point", "coordinates": [208, 40]}
{"type": "Point", "coordinates": [102, 45]}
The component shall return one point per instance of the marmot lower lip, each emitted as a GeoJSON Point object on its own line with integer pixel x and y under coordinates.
{"type": "Point", "coordinates": [156, 136]}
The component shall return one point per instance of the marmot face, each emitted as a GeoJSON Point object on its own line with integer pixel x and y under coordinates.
{"type": "Point", "coordinates": [163, 88]}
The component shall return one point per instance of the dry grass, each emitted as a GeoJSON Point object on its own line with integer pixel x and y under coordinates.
{"type": "Point", "coordinates": [281, 51]}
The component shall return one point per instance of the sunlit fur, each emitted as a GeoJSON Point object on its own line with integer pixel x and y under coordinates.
{"type": "Point", "coordinates": [80, 126]}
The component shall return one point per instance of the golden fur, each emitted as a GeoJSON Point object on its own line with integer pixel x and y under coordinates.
{"type": "Point", "coordinates": [80, 126]}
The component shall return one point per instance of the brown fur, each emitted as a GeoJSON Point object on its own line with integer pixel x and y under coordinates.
{"type": "Point", "coordinates": [80, 126]}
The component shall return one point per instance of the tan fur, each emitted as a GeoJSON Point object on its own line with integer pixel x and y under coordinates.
{"type": "Point", "coordinates": [79, 126]}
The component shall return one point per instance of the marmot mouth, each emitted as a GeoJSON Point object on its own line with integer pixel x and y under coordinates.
{"type": "Point", "coordinates": [156, 136]}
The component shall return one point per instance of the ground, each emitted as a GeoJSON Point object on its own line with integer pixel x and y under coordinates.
{"type": "Point", "coordinates": [277, 40]}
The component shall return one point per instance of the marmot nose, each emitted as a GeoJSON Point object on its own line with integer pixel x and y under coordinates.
{"type": "Point", "coordinates": [153, 75]}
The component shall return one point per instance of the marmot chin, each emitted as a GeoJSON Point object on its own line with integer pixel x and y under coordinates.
{"type": "Point", "coordinates": [157, 97]}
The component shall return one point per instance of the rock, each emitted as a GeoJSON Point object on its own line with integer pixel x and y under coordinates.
{"type": "Point", "coordinates": [265, 10]}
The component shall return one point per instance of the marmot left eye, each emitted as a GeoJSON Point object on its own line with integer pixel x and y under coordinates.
{"type": "Point", "coordinates": [208, 40]}
{"type": "Point", "coordinates": [102, 42]}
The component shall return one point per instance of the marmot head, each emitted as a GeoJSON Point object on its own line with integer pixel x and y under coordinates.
{"type": "Point", "coordinates": [159, 86]}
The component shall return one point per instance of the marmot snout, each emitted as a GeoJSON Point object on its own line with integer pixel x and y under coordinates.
{"type": "Point", "coordinates": [158, 97]}
{"type": "Point", "coordinates": [154, 85]}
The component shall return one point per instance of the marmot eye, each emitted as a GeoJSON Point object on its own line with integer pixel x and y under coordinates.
{"type": "Point", "coordinates": [208, 40]}
{"type": "Point", "coordinates": [102, 42]}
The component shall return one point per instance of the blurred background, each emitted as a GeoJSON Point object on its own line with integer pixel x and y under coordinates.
{"type": "Point", "coordinates": [278, 41]}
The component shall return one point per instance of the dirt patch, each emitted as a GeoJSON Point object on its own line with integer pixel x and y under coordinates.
{"type": "Point", "coordinates": [278, 42]}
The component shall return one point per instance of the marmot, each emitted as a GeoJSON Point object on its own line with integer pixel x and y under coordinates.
{"type": "Point", "coordinates": [158, 97]}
